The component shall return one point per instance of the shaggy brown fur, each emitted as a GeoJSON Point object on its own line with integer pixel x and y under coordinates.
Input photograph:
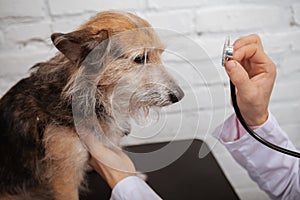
{"type": "Point", "coordinates": [41, 155]}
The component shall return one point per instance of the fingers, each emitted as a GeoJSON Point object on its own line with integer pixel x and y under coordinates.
{"type": "Point", "coordinates": [253, 73]}
{"type": "Point", "coordinates": [245, 52]}
{"type": "Point", "coordinates": [238, 75]}
{"type": "Point", "coordinates": [251, 51]}
{"type": "Point", "coordinates": [250, 39]}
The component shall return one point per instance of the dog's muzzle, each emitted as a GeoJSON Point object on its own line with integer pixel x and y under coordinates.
{"type": "Point", "coordinates": [176, 95]}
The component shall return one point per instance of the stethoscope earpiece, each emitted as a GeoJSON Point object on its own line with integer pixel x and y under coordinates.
{"type": "Point", "coordinates": [227, 51]}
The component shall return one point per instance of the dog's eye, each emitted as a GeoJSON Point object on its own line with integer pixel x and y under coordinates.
{"type": "Point", "coordinates": [140, 59]}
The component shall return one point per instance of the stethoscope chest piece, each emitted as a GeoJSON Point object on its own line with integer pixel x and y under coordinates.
{"type": "Point", "coordinates": [227, 51]}
{"type": "Point", "coordinates": [227, 55]}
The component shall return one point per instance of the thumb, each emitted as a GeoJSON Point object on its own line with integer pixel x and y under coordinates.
{"type": "Point", "coordinates": [238, 75]}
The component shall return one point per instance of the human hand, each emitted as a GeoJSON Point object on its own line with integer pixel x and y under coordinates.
{"type": "Point", "coordinates": [112, 164]}
{"type": "Point", "coordinates": [253, 73]}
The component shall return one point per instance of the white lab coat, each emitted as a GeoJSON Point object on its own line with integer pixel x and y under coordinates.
{"type": "Point", "coordinates": [275, 173]}
{"type": "Point", "coordinates": [133, 188]}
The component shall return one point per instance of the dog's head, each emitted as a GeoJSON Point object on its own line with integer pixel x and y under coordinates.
{"type": "Point", "coordinates": [121, 53]}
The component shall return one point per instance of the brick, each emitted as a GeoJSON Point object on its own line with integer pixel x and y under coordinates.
{"type": "Point", "coordinates": [273, 42]}
{"type": "Point", "coordinates": [201, 98]}
{"type": "Point", "coordinates": [289, 66]}
{"type": "Point", "coordinates": [180, 21]}
{"type": "Point", "coordinates": [26, 32]}
{"type": "Point", "coordinates": [63, 7]}
{"type": "Point", "coordinates": [19, 61]}
{"type": "Point", "coordinates": [286, 89]}
{"type": "Point", "coordinates": [180, 47]}
{"type": "Point", "coordinates": [279, 42]}
{"type": "Point", "coordinates": [241, 18]}
{"type": "Point", "coordinates": [19, 8]}
{"type": "Point", "coordinates": [65, 26]}
{"type": "Point", "coordinates": [1, 39]}
{"type": "Point", "coordinates": [174, 3]}
{"type": "Point", "coordinates": [68, 25]}
{"type": "Point", "coordinates": [6, 82]}
{"type": "Point", "coordinates": [286, 112]}
{"type": "Point", "coordinates": [296, 9]}
{"type": "Point", "coordinates": [212, 45]}
{"type": "Point", "coordinates": [197, 73]}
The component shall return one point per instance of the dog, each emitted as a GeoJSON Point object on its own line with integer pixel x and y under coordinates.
{"type": "Point", "coordinates": [109, 69]}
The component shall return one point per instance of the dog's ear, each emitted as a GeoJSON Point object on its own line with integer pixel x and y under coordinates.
{"type": "Point", "coordinates": [78, 44]}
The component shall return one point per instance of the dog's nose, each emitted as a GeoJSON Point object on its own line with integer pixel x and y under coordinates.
{"type": "Point", "coordinates": [173, 98]}
{"type": "Point", "coordinates": [176, 96]}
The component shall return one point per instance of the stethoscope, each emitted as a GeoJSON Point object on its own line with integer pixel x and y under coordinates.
{"type": "Point", "coordinates": [227, 55]}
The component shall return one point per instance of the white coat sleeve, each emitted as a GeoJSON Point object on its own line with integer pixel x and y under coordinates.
{"type": "Point", "coordinates": [275, 173]}
{"type": "Point", "coordinates": [133, 188]}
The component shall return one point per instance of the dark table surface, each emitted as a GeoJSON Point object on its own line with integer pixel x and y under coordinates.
{"type": "Point", "coordinates": [188, 177]}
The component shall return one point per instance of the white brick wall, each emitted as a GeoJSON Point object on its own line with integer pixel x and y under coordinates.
{"type": "Point", "coordinates": [157, 4]}
{"type": "Point", "coordinates": [179, 20]}
{"type": "Point", "coordinates": [64, 7]}
{"type": "Point", "coordinates": [296, 9]}
{"type": "Point", "coordinates": [241, 18]}
{"type": "Point", "coordinates": [25, 28]}
{"type": "Point", "coordinates": [25, 33]}
{"type": "Point", "coordinates": [18, 9]}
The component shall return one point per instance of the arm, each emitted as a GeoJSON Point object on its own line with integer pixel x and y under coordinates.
{"type": "Point", "coordinates": [133, 188]}
{"type": "Point", "coordinates": [275, 173]}
{"type": "Point", "coordinates": [119, 172]}
{"type": "Point", "coordinates": [253, 73]}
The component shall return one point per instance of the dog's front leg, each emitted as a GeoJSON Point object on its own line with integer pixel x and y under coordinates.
{"type": "Point", "coordinates": [67, 161]}
{"type": "Point", "coordinates": [64, 189]}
